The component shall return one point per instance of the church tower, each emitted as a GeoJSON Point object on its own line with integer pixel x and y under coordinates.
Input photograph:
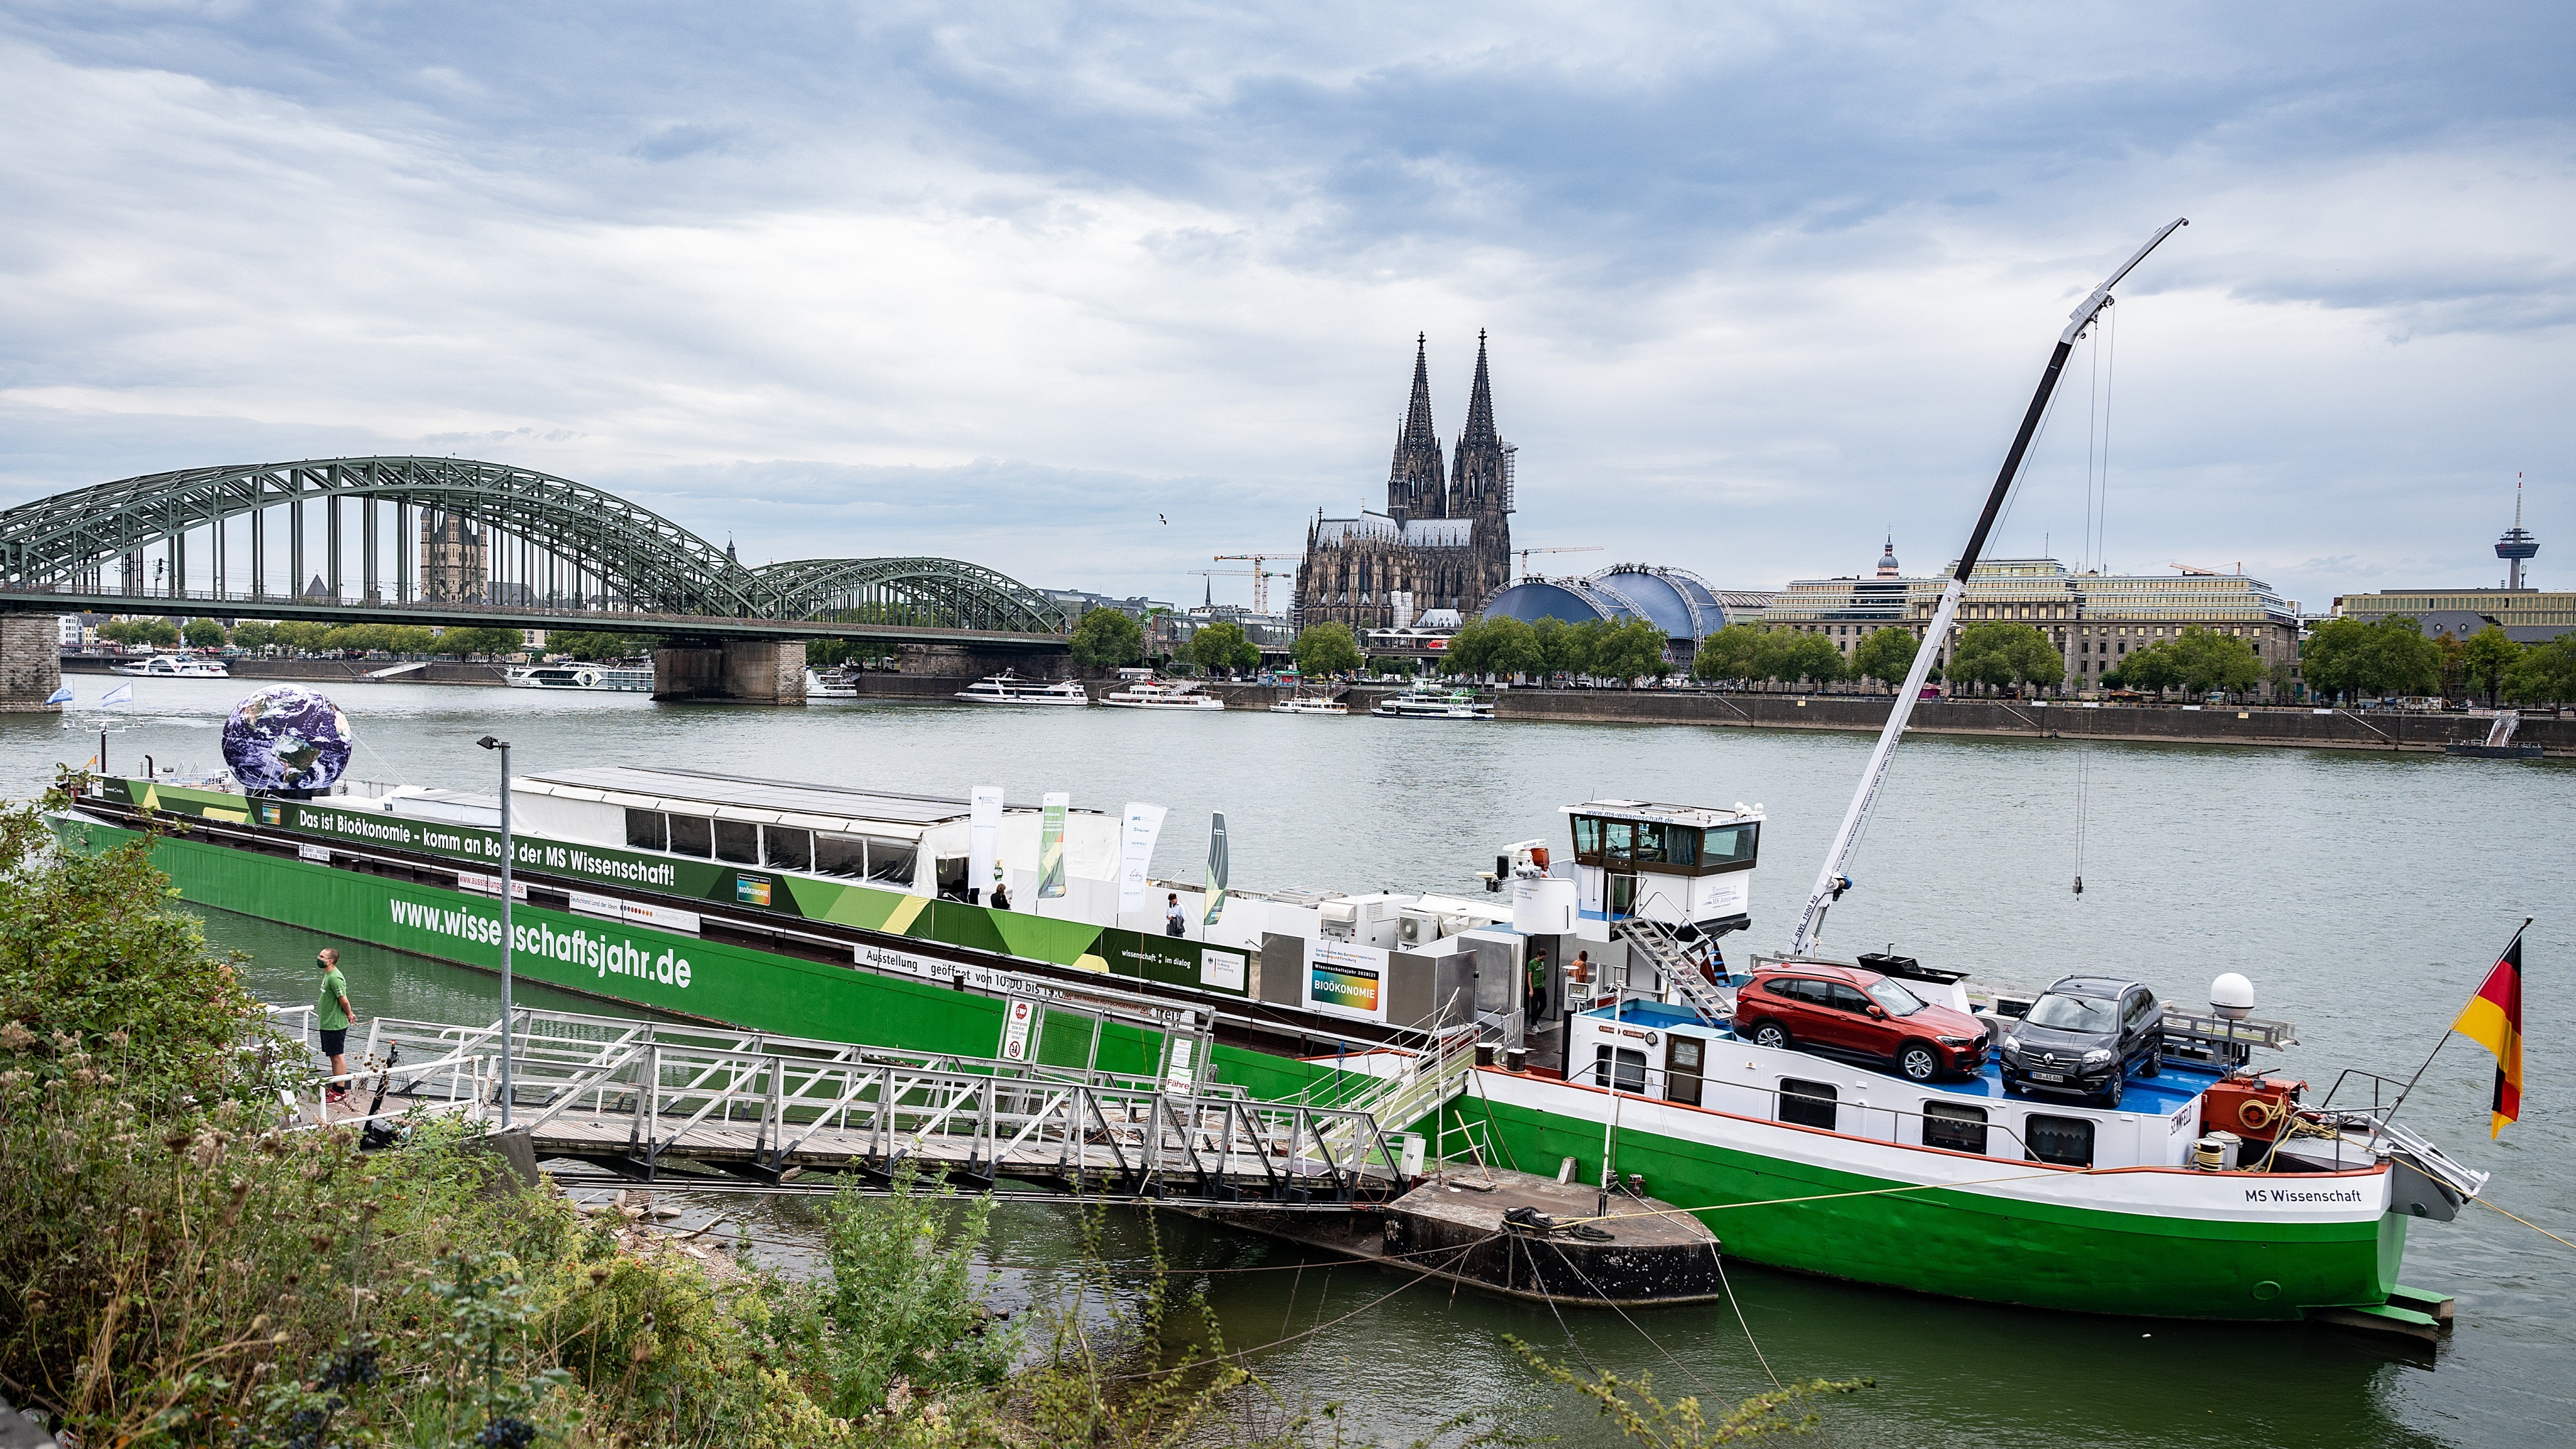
{"type": "Point", "coordinates": [1481, 489]}
{"type": "Point", "coordinates": [1414, 485]}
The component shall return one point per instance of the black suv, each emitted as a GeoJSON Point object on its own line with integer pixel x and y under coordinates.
{"type": "Point", "coordinates": [2083, 1036]}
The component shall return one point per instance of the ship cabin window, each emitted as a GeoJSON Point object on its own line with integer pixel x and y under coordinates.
{"type": "Point", "coordinates": [692, 835]}
{"type": "Point", "coordinates": [1664, 848]}
{"type": "Point", "coordinates": [738, 841]}
{"type": "Point", "coordinates": [1807, 1104]}
{"type": "Point", "coordinates": [841, 855]}
{"type": "Point", "coordinates": [786, 848]}
{"type": "Point", "coordinates": [1629, 1067]}
{"type": "Point", "coordinates": [1956, 1126]}
{"type": "Point", "coordinates": [646, 830]}
{"type": "Point", "coordinates": [2066, 1141]}
{"type": "Point", "coordinates": [890, 862]}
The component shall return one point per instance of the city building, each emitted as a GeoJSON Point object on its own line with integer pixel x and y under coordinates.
{"type": "Point", "coordinates": [2527, 615]}
{"type": "Point", "coordinates": [2095, 619]}
{"type": "Point", "coordinates": [1077, 602]}
{"type": "Point", "coordinates": [1444, 541]}
{"type": "Point", "coordinates": [455, 560]}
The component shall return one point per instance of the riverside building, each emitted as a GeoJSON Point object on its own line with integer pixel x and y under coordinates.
{"type": "Point", "coordinates": [2095, 619]}
{"type": "Point", "coordinates": [2527, 615]}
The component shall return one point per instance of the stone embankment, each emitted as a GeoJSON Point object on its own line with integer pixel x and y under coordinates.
{"type": "Point", "coordinates": [2211, 724]}
{"type": "Point", "coordinates": [324, 671]}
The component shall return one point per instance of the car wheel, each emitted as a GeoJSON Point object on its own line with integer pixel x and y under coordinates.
{"type": "Point", "coordinates": [1771, 1034]}
{"type": "Point", "coordinates": [1918, 1062]}
{"type": "Point", "coordinates": [2155, 1061]}
{"type": "Point", "coordinates": [2111, 1094]}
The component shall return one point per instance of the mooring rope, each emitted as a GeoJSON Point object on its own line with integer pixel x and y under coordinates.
{"type": "Point", "coordinates": [2526, 1222]}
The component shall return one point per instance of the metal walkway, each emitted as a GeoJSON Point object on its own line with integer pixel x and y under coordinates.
{"type": "Point", "coordinates": [654, 1101]}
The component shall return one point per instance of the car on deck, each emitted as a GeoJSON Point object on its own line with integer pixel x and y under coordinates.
{"type": "Point", "coordinates": [2083, 1037]}
{"type": "Point", "coordinates": [1845, 1011]}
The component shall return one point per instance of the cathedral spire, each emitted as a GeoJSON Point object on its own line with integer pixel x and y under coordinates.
{"type": "Point", "coordinates": [1415, 487]}
{"type": "Point", "coordinates": [1480, 403]}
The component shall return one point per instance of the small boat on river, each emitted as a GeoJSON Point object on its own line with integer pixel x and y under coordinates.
{"type": "Point", "coordinates": [1434, 704]}
{"type": "Point", "coordinates": [174, 666]}
{"type": "Point", "coordinates": [614, 678]}
{"type": "Point", "coordinates": [1009, 688]}
{"type": "Point", "coordinates": [1309, 704]}
{"type": "Point", "coordinates": [1159, 694]}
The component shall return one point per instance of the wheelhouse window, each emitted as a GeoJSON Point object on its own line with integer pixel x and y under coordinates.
{"type": "Point", "coordinates": [1648, 845]}
{"type": "Point", "coordinates": [647, 830]}
{"type": "Point", "coordinates": [1807, 1104]}
{"type": "Point", "coordinates": [784, 847]}
{"type": "Point", "coordinates": [738, 841]}
{"type": "Point", "coordinates": [692, 835]}
{"type": "Point", "coordinates": [1681, 846]}
{"type": "Point", "coordinates": [1587, 840]}
{"type": "Point", "coordinates": [1629, 1067]}
{"type": "Point", "coordinates": [1956, 1126]}
{"type": "Point", "coordinates": [1730, 847]}
{"type": "Point", "coordinates": [2065, 1141]}
{"type": "Point", "coordinates": [1618, 841]}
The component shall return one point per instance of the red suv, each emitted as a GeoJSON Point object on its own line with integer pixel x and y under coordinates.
{"type": "Point", "coordinates": [1845, 1011]}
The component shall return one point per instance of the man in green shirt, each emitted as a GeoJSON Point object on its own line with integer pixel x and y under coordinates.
{"type": "Point", "coordinates": [1534, 1006]}
{"type": "Point", "coordinates": [332, 1013]}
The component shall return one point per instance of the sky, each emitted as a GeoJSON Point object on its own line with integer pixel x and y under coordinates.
{"type": "Point", "coordinates": [1090, 294]}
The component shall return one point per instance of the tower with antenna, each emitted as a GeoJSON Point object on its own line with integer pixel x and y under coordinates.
{"type": "Point", "coordinates": [2517, 543]}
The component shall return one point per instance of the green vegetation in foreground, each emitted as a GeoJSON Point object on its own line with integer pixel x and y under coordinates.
{"type": "Point", "coordinates": [175, 1270]}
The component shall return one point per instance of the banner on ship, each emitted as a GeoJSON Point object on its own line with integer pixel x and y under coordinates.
{"type": "Point", "coordinates": [984, 841]}
{"type": "Point", "coordinates": [1216, 870]}
{"type": "Point", "coordinates": [1054, 805]}
{"type": "Point", "coordinates": [1136, 855]}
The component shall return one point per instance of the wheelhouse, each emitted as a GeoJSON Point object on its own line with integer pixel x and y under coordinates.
{"type": "Point", "coordinates": [1682, 865]}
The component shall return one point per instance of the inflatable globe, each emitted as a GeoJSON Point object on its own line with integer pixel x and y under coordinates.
{"type": "Point", "coordinates": [287, 738]}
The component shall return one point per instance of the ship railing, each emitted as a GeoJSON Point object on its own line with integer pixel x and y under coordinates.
{"type": "Point", "coordinates": [2382, 1135]}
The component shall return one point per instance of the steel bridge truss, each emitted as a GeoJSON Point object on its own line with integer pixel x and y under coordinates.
{"type": "Point", "coordinates": [354, 533]}
{"type": "Point", "coordinates": [640, 1098]}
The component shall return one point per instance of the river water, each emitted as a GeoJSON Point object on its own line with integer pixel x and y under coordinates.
{"type": "Point", "coordinates": [2364, 894]}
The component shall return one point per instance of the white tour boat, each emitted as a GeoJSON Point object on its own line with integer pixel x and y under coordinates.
{"type": "Point", "coordinates": [1309, 704]}
{"type": "Point", "coordinates": [1435, 704]}
{"type": "Point", "coordinates": [1008, 688]}
{"type": "Point", "coordinates": [1155, 694]}
{"type": "Point", "coordinates": [619, 678]}
{"type": "Point", "coordinates": [830, 686]}
{"type": "Point", "coordinates": [174, 666]}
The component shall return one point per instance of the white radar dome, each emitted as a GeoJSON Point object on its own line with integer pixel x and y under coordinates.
{"type": "Point", "coordinates": [2233, 995]}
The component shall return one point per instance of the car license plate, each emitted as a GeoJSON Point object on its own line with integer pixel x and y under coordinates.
{"type": "Point", "coordinates": [2048, 1076]}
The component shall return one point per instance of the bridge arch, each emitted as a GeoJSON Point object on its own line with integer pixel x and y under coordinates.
{"type": "Point", "coordinates": [554, 545]}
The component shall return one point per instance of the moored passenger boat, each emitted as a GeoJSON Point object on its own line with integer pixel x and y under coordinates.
{"type": "Point", "coordinates": [616, 678]}
{"type": "Point", "coordinates": [1008, 688]}
{"type": "Point", "coordinates": [1434, 704]}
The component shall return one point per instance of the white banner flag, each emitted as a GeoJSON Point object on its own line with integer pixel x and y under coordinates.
{"type": "Point", "coordinates": [1136, 855]}
{"type": "Point", "coordinates": [984, 841]}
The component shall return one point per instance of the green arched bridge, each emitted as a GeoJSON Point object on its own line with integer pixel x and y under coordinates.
{"type": "Point", "coordinates": [452, 541]}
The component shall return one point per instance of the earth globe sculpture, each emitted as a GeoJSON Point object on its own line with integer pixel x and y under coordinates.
{"type": "Point", "coordinates": [287, 738]}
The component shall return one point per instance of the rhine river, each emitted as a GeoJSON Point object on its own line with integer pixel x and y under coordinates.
{"type": "Point", "coordinates": [2364, 894]}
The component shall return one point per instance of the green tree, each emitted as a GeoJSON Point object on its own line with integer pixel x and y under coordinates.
{"type": "Point", "coordinates": [2207, 662]}
{"type": "Point", "coordinates": [1791, 655]}
{"type": "Point", "coordinates": [2346, 658]}
{"type": "Point", "coordinates": [1107, 639]}
{"type": "Point", "coordinates": [1495, 646]}
{"type": "Point", "coordinates": [203, 634]}
{"type": "Point", "coordinates": [1327, 649]}
{"type": "Point", "coordinates": [1999, 653]}
{"type": "Point", "coordinates": [254, 634]}
{"type": "Point", "coordinates": [1884, 656]}
{"type": "Point", "coordinates": [2544, 674]}
{"type": "Point", "coordinates": [1567, 648]}
{"type": "Point", "coordinates": [301, 636]}
{"type": "Point", "coordinates": [362, 638]}
{"type": "Point", "coordinates": [2489, 656]}
{"type": "Point", "coordinates": [411, 639]}
{"type": "Point", "coordinates": [486, 641]}
{"type": "Point", "coordinates": [1733, 653]}
{"type": "Point", "coordinates": [159, 633]}
{"type": "Point", "coordinates": [606, 644]}
{"type": "Point", "coordinates": [1222, 645]}
{"type": "Point", "coordinates": [1630, 649]}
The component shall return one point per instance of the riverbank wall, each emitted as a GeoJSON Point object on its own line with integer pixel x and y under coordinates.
{"type": "Point", "coordinates": [2338, 729]}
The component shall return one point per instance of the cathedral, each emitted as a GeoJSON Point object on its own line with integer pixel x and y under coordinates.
{"type": "Point", "coordinates": [1445, 539]}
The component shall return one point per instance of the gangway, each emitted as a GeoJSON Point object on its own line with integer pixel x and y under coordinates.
{"type": "Point", "coordinates": [1681, 964]}
{"type": "Point", "coordinates": [660, 1101]}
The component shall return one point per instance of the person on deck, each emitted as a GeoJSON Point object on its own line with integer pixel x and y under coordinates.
{"type": "Point", "coordinates": [333, 1014]}
{"type": "Point", "coordinates": [1174, 924]}
{"type": "Point", "coordinates": [1535, 1004]}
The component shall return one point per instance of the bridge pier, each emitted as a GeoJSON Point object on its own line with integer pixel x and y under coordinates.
{"type": "Point", "coordinates": [746, 671]}
{"type": "Point", "coordinates": [31, 662]}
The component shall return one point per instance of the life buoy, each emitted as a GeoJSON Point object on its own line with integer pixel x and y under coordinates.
{"type": "Point", "coordinates": [2258, 1114]}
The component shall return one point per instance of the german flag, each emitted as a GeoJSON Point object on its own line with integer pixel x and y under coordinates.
{"type": "Point", "coordinates": [2493, 1019]}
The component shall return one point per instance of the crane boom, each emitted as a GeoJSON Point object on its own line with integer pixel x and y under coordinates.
{"type": "Point", "coordinates": [1830, 881]}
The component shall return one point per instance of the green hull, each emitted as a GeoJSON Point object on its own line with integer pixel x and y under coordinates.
{"type": "Point", "coordinates": [1987, 1248]}
{"type": "Point", "coordinates": [1969, 1245]}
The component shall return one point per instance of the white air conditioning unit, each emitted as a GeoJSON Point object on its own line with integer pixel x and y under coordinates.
{"type": "Point", "coordinates": [1341, 920]}
{"type": "Point", "coordinates": [1416, 928]}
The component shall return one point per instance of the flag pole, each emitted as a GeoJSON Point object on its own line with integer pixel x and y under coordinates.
{"type": "Point", "coordinates": [2451, 1031]}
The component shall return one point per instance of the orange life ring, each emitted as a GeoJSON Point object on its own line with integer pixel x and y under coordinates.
{"type": "Point", "coordinates": [2258, 1114]}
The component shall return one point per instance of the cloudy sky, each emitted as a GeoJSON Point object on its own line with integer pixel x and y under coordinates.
{"type": "Point", "coordinates": [1008, 282]}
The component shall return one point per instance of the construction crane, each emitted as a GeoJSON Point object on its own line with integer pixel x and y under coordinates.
{"type": "Point", "coordinates": [1260, 582]}
{"type": "Point", "coordinates": [1260, 579]}
{"type": "Point", "coordinates": [1526, 552]}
